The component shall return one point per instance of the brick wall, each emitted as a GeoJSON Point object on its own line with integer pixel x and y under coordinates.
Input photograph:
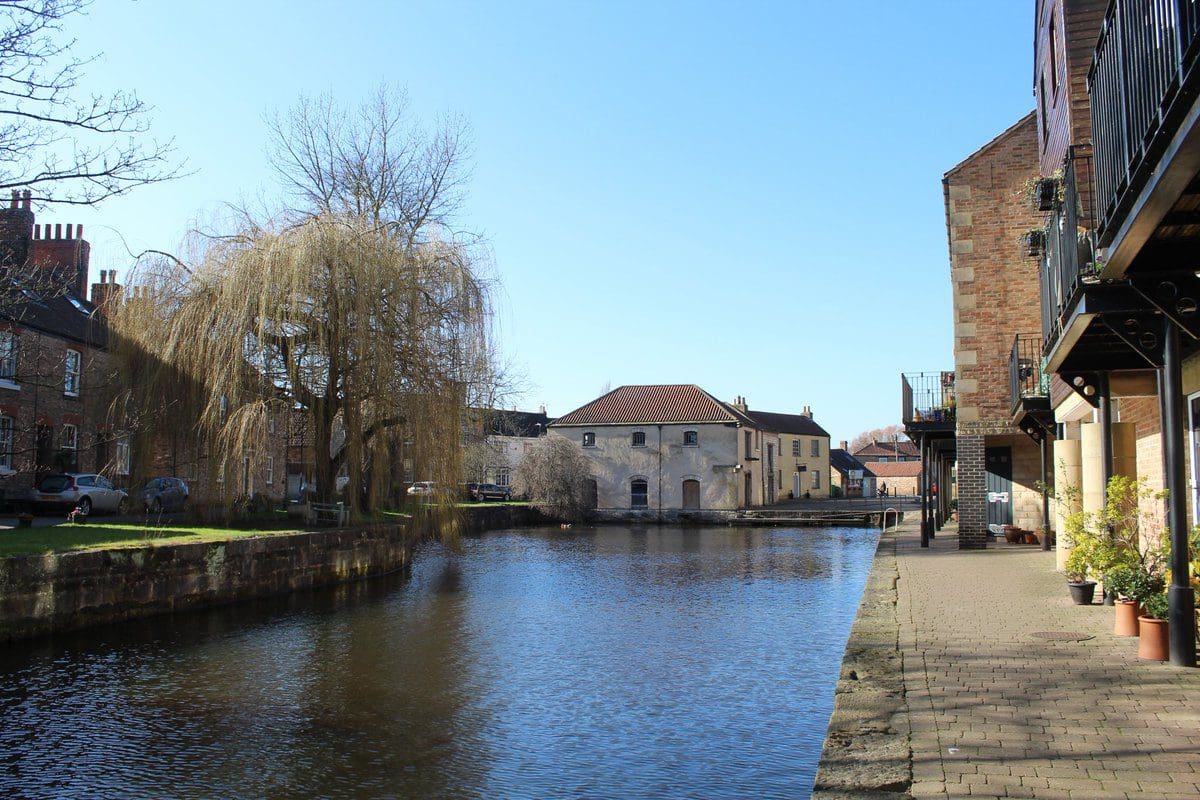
{"type": "Point", "coordinates": [972, 497]}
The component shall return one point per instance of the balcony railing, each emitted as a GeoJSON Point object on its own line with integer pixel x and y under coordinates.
{"type": "Point", "coordinates": [1069, 258]}
{"type": "Point", "coordinates": [927, 397]}
{"type": "Point", "coordinates": [1144, 54]}
{"type": "Point", "coordinates": [1025, 375]}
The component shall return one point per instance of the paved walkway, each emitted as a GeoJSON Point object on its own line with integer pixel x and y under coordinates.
{"type": "Point", "coordinates": [992, 710]}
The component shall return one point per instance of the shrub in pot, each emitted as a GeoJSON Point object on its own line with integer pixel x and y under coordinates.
{"type": "Point", "coordinates": [1155, 641]}
{"type": "Point", "coordinates": [1119, 581]}
{"type": "Point", "coordinates": [1077, 566]}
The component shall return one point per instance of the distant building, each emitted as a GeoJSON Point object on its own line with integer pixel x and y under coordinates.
{"type": "Point", "coordinates": [888, 450]}
{"type": "Point", "coordinates": [851, 476]}
{"type": "Point", "coordinates": [662, 449]}
{"type": "Point", "coordinates": [496, 440]}
{"type": "Point", "coordinates": [803, 466]}
{"type": "Point", "coordinates": [900, 477]}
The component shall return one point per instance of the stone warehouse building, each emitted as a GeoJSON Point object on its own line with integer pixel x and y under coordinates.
{"type": "Point", "coordinates": [668, 448]}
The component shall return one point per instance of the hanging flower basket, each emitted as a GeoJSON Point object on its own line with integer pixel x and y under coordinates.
{"type": "Point", "coordinates": [1033, 243]}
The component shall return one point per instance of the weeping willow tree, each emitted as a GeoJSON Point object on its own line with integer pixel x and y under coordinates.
{"type": "Point", "coordinates": [364, 312]}
{"type": "Point", "coordinates": [376, 342]}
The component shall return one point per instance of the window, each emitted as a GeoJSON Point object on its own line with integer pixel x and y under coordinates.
{"type": "Point", "coordinates": [503, 476]}
{"type": "Point", "coordinates": [816, 473]}
{"type": "Point", "coordinates": [8, 356]}
{"type": "Point", "coordinates": [1053, 57]}
{"type": "Point", "coordinates": [639, 439]}
{"type": "Point", "coordinates": [270, 427]}
{"type": "Point", "coordinates": [589, 439]}
{"type": "Point", "coordinates": [691, 438]}
{"type": "Point", "coordinates": [71, 373]}
{"type": "Point", "coordinates": [69, 448]}
{"type": "Point", "coordinates": [6, 444]}
{"type": "Point", "coordinates": [638, 494]}
{"type": "Point", "coordinates": [749, 445]}
{"type": "Point", "coordinates": [796, 448]}
{"type": "Point", "coordinates": [816, 447]}
{"type": "Point", "coordinates": [270, 470]}
{"type": "Point", "coordinates": [122, 465]}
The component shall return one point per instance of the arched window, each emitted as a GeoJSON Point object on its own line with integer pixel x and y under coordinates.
{"type": "Point", "coordinates": [591, 498]}
{"type": "Point", "coordinates": [638, 495]}
{"type": "Point", "coordinates": [690, 439]}
{"type": "Point", "coordinates": [639, 439]}
{"type": "Point", "coordinates": [589, 439]}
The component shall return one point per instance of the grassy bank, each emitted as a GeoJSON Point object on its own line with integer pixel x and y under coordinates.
{"type": "Point", "coordinates": [63, 538]}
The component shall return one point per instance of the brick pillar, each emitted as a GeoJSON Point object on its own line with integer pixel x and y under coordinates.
{"type": "Point", "coordinates": [972, 493]}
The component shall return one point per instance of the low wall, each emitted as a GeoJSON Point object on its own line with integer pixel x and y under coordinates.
{"type": "Point", "coordinates": [63, 591]}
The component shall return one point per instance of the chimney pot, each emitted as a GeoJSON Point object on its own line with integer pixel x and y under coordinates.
{"type": "Point", "coordinates": [15, 195]}
{"type": "Point", "coordinates": [844, 445]}
{"type": "Point", "coordinates": [69, 231]}
{"type": "Point", "coordinates": [26, 197]}
{"type": "Point", "coordinates": [78, 231]}
{"type": "Point", "coordinates": [37, 231]}
{"type": "Point", "coordinates": [58, 230]}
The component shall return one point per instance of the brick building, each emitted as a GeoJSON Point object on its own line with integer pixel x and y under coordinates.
{"type": "Point", "coordinates": [56, 377]}
{"type": "Point", "coordinates": [995, 294]}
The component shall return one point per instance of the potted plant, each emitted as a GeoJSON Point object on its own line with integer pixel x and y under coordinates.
{"type": "Point", "coordinates": [1043, 192]}
{"type": "Point", "coordinates": [1155, 641]}
{"type": "Point", "coordinates": [1077, 566]}
{"type": "Point", "coordinates": [1033, 242]}
{"type": "Point", "coordinates": [1122, 581]}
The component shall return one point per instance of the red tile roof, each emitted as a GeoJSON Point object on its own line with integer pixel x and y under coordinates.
{"type": "Point", "coordinates": [894, 469]}
{"type": "Point", "coordinates": [635, 405]}
{"type": "Point", "coordinates": [886, 448]}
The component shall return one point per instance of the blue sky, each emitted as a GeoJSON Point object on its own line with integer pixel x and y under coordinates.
{"type": "Point", "coordinates": [743, 196]}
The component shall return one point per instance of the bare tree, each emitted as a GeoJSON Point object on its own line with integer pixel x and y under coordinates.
{"type": "Point", "coordinates": [884, 434]}
{"type": "Point", "coordinates": [375, 162]}
{"type": "Point", "coordinates": [68, 149]}
{"type": "Point", "coordinates": [553, 474]}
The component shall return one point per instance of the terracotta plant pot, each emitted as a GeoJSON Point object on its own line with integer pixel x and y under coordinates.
{"type": "Point", "coordinates": [1082, 592]}
{"type": "Point", "coordinates": [1031, 538]}
{"type": "Point", "coordinates": [1125, 623]}
{"type": "Point", "coordinates": [1154, 641]}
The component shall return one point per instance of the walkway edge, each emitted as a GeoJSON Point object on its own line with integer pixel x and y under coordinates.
{"type": "Point", "coordinates": [867, 751]}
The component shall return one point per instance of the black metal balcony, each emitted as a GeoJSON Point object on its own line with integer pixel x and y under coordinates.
{"type": "Point", "coordinates": [1140, 88]}
{"type": "Point", "coordinates": [928, 401]}
{"type": "Point", "coordinates": [1027, 380]}
{"type": "Point", "coordinates": [1069, 257]}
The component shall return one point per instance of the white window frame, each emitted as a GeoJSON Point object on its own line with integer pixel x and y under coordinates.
{"type": "Point", "coordinates": [815, 448]}
{"type": "Point", "coordinates": [72, 372]}
{"type": "Point", "coordinates": [796, 447]}
{"type": "Point", "coordinates": [816, 476]}
{"type": "Point", "coordinates": [270, 467]}
{"type": "Point", "coordinates": [8, 428]}
{"type": "Point", "coordinates": [123, 461]}
{"type": "Point", "coordinates": [10, 348]}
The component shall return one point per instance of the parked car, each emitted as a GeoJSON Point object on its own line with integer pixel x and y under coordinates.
{"type": "Point", "coordinates": [88, 492]}
{"type": "Point", "coordinates": [421, 489]}
{"type": "Point", "coordinates": [162, 494]}
{"type": "Point", "coordinates": [470, 491]}
{"type": "Point", "coordinates": [490, 491]}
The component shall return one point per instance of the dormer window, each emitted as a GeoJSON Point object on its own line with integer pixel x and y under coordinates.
{"type": "Point", "coordinates": [639, 439]}
{"type": "Point", "coordinates": [690, 438]}
{"type": "Point", "coordinates": [589, 439]}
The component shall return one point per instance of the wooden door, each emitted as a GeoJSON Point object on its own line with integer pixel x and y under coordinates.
{"type": "Point", "coordinates": [691, 494]}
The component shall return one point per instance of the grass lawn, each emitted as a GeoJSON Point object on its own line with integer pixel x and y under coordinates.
{"type": "Point", "coordinates": [61, 538]}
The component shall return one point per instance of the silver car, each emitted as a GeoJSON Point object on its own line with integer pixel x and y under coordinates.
{"type": "Point", "coordinates": [88, 492]}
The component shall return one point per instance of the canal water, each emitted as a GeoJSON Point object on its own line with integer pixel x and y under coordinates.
{"type": "Point", "coordinates": [608, 662]}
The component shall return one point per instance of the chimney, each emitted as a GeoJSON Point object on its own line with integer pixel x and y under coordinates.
{"type": "Point", "coordinates": [107, 290]}
{"type": "Point", "coordinates": [844, 445]}
{"type": "Point", "coordinates": [542, 409]}
{"type": "Point", "coordinates": [807, 412]}
{"type": "Point", "coordinates": [739, 403]}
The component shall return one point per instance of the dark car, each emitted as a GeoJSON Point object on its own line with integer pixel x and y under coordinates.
{"type": "Point", "coordinates": [490, 491]}
{"type": "Point", "coordinates": [87, 492]}
{"type": "Point", "coordinates": [162, 494]}
{"type": "Point", "coordinates": [471, 491]}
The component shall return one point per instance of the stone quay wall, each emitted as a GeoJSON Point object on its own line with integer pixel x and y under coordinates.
{"type": "Point", "coordinates": [63, 591]}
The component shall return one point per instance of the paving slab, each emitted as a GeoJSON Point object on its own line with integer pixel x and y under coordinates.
{"type": "Point", "coordinates": [994, 684]}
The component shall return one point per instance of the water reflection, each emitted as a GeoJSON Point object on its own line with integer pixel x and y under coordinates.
{"type": "Point", "coordinates": [596, 662]}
